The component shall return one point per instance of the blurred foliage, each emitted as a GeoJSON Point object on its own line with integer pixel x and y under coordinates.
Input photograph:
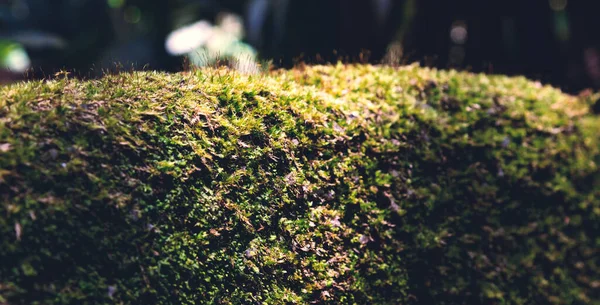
{"type": "Point", "coordinates": [551, 40]}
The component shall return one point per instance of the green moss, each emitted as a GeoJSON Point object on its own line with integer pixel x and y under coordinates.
{"type": "Point", "coordinates": [332, 185]}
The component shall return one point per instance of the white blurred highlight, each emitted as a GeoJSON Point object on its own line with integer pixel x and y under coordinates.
{"type": "Point", "coordinates": [17, 60]}
{"type": "Point", "coordinates": [188, 38]}
{"type": "Point", "coordinates": [206, 44]}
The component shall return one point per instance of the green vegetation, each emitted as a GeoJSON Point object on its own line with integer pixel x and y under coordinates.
{"type": "Point", "coordinates": [321, 185]}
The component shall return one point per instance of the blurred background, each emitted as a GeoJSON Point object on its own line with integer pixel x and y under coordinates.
{"type": "Point", "coordinates": [553, 41]}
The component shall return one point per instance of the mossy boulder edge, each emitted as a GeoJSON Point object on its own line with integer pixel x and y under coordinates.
{"type": "Point", "coordinates": [344, 184]}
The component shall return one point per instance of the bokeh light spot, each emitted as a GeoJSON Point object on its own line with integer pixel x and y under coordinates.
{"type": "Point", "coordinates": [458, 33]}
{"type": "Point", "coordinates": [116, 3]}
{"type": "Point", "coordinates": [561, 26]}
{"type": "Point", "coordinates": [188, 38]}
{"type": "Point", "coordinates": [232, 24]}
{"type": "Point", "coordinates": [133, 14]}
{"type": "Point", "coordinates": [558, 5]}
{"type": "Point", "coordinates": [15, 58]}
{"type": "Point", "coordinates": [456, 56]}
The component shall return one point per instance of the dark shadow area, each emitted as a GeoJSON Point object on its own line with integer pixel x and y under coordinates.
{"type": "Point", "coordinates": [554, 41]}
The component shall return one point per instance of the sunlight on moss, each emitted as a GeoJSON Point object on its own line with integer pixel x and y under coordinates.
{"type": "Point", "coordinates": [344, 184]}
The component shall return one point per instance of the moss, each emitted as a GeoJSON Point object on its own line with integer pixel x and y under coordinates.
{"type": "Point", "coordinates": [328, 185]}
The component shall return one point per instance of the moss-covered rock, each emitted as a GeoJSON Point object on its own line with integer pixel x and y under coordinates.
{"type": "Point", "coordinates": [327, 185]}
